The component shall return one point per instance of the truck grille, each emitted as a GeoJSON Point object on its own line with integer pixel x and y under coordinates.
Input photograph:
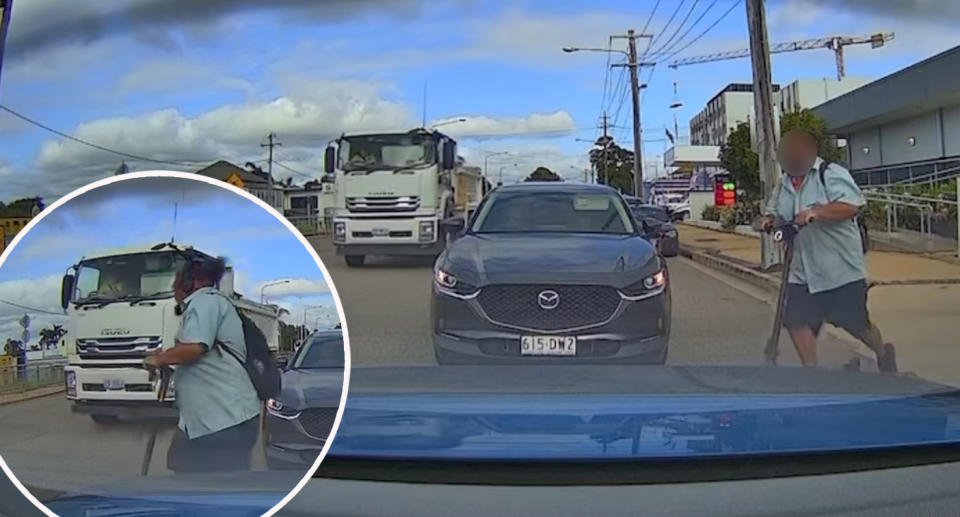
{"type": "Point", "coordinates": [579, 306]}
{"type": "Point", "coordinates": [383, 204]}
{"type": "Point", "coordinates": [318, 422]}
{"type": "Point", "coordinates": [117, 347]}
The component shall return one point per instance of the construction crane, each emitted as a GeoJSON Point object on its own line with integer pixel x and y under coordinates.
{"type": "Point", "coordinates": [834, 43]}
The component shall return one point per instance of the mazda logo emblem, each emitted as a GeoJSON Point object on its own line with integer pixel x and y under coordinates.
{"type": "Point", "coordinates": [548, 300]}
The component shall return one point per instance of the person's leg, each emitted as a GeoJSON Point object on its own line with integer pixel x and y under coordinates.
{"type": "Point", "coordinates": [847, 309]}
{"type": "Point", "coordinates": [802, 319]}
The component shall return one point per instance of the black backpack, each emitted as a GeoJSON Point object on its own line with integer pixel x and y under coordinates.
{"type": "Point", "coordinates": [259, 363]}
{"type": "Point", "coordinates": [861, 224]}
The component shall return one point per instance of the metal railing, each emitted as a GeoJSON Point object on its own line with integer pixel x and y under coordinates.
{"type": "Point", "coordinates": [892, 205]}
{"type": "Point", "coordinates": [20, 378]}
{"type": "Point", "coordinates": [311, 224]}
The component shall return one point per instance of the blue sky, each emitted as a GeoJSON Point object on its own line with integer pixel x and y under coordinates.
{"type": "Point", "coordinates": [141, 212]}
{"type": "Point", "coordinates": [164, 80]}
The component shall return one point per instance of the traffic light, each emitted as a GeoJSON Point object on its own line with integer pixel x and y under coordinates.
{"type": "Point", "coordinates": [724, 191]}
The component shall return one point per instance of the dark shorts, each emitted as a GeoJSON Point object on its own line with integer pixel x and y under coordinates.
{"type": "Point", "coordinates": [844, 307]}
{"type": "Point", "coordinates": [223, 451]}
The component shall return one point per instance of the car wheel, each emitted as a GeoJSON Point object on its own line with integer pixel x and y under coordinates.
{"type": "Point", "coordinates": [354, 260]}
{"type": "Point", "coordinates": [105, 419]}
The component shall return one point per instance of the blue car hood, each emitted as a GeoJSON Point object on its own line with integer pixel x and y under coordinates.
{"type": "Point", "coordinates": [303, 389]}
{"type": "Point", "coordinates": [561, 413]}
{"type": "Point", "coordinates": [540, 258]}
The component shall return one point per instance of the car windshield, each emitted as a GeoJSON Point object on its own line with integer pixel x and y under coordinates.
{"type": "Point", "coordinates": [377, 152]}
{"type": "Point", "coordinates": [127, 276]}
{"type": "Point", "coordinates": [539, 211]}
{"type": "Point", "coordinates": [320, 351]}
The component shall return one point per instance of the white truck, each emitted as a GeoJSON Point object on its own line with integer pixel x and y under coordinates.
{"type": "Point", "coordinates": [120, 306]}
{"type": "Point", "coordinates": [396, 191]}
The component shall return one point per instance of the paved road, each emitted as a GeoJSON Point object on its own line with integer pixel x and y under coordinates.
{"type": "Point", "coordinates": [387, 307]}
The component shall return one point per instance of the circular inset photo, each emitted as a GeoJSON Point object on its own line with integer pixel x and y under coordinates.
{"type": "Point", "coordinates": [170, 345]}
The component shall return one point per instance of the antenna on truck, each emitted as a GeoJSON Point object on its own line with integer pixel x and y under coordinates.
{"type": "Point", "coordinates": [424, 103]}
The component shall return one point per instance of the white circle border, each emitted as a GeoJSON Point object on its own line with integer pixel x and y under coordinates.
{"type": "Point", "coordinates": [287, 224]}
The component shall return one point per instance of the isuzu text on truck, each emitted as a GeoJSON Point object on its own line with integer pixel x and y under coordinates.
{"type": "Point", "coordinates": [395, 189]}
{"type": "Point", "coordinates": [121, 307]}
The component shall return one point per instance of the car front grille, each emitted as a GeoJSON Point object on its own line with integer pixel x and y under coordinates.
{"type": "Point", "coordinates": [579, 306]}
{"type": "Point", "coordinates": [318, 422]}
{"type": "Point", "coordinates": [117, 347]}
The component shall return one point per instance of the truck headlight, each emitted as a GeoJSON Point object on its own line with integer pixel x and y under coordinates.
{"type": "Point", "coordinates": [277, 409]}
{"type": "Point", "coordinates": [339, 231]}
{"type": "Point", "coordinates": [427, 231]}
{"type": "Point", "coordinates": [70, 382]}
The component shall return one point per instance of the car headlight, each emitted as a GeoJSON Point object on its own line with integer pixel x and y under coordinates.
{"type": "Point", "coordinates": [70, 382]}
{"type": "Point", "coordinates": [452, 286]}
{"type": "Point", "coordinates": [427, 231]}
{"type": "Point", "coordinates": [339, 231]}
{"type": "Point", "coordinates": [277, 409]}
{"type": "Point", "coordinates": [647, 287]}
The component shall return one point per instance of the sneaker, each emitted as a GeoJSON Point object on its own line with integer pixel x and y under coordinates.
{"type": "Point", "coordinates": [888, 361]}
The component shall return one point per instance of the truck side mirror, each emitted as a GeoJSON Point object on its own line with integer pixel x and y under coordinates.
{"type": "Point", "coordinates": [330, 160]}
{"type": "Point", "coordinates": [449, 160]}
{"type": "Point", "coordinates": [66, 290]}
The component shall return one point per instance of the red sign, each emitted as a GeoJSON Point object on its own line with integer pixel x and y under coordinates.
{"type": "Point", "coordinates": [724, 191]}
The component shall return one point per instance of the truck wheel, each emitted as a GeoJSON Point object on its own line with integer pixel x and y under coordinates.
{"type": "Point", "coordinates": [105, 419]}
{"type": "Point", "coordinates": [354, 260]}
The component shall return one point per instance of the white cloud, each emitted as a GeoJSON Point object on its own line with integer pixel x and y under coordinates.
{"type": "Point", "coordinates": [298, 287]}
{"type": "Point", "coordinates": [39, 293]}
{"type": "Point", "coordinates": [480, 126]}
{"type": "Point", "coordinates": [164, 75]}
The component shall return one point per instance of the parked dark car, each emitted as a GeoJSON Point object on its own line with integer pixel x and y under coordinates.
{"type": "Point", "coordinates": [658, 226]}
{"type": "Point", "coordinates": [299, 420]}
{"type": "Point", "coordinates": [551, 273]}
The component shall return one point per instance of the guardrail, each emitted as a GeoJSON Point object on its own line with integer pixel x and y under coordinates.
{"type": "Point", "coordinates": [311, 224]}
{"type": "Point", "coordinates": [20, 378]}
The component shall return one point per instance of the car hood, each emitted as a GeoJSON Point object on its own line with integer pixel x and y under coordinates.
{"type": "Point", "coordinates": [543, 258]}
{"type": "Point", "coordinates": [303, 389]}
{"type": "Point", "coordinates": [589, 413]}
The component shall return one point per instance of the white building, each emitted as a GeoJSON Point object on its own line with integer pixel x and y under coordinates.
{"type": "Point", "coordinates": [809, 93]}
{"type": "Point", "coordinates": [729, 107]}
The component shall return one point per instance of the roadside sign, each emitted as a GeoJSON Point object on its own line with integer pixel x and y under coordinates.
{"type": "Point", "coordinates": [25, 321]}
{"type": "Point", "coordinates": [25, 336]}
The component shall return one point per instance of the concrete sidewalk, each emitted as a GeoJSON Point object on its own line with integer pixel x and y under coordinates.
{"type": "Point", "coordinates": [923, 321]}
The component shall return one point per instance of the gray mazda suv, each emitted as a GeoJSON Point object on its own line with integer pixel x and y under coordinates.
{"type": "Point", "coordinates": [550, 272]}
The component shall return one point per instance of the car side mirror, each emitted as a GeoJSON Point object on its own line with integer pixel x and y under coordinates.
{"type": "Point", "coordinates": [449, 159]}
{"type": "Point", "coordinates": [330, 160]}
{"type": "Point", "coordinates": [283, 362]}
{"type": "Point", "coordinates": [454, 226]}
{"type": "Point", "coordinates": [652, 229]}
{"type": "Point", "coordinates": [66, 290]}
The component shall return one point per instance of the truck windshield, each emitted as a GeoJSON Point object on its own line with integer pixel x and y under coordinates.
{"type": "Point", "coordinates": [141, 275]}
{"type": "Point", "coordinates": [378, 152]}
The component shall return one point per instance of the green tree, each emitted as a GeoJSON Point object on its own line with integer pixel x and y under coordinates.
{"type": "Point", "coordinates": [807, 120]}
{"type": "Point", "coordinates": [543, 174]}
{"type": "Point", "coordinates": [737, 158]}
{"type": "Point", "coordinates": [617, 170]}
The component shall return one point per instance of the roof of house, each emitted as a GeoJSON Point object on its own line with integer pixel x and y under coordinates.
{"type": "Point", "coordinates": [19, 209]}
{"type": "Point", "coordinates": [223, 169]}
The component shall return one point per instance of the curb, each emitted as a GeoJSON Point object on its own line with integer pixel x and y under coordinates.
{"type": "Point", "coordinates": [31, 394]}
{"type": "Point", "coordinates": [770, 284]}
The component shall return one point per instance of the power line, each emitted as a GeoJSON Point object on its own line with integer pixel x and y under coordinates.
{"type": "Point", "coordinates": [31, 309]}
{"type": "Point", "coordinates": [291, 169]}
{"type": "Point", "coordinates": [90, 144]}
{"type": "Point", "coordinates": [679, 27]}
{"type": "Point", "coordinates": [702, 34]}
{"type": "Point", "coordinates": [649, 18]}
{"type": "Point", "coordinates": [690, 28]}
{"type": "Point", "coordinates": [666, 25]}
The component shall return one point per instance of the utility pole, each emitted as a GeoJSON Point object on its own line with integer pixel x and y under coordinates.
{"type": "Point", "coordinates": [6, 7]}
{"type": "Point", "coordinates": [271, 137]}
{"type": "Point", "coordinates": [606, 145]}
{"type": "Point", "coordinates": [637, 139]}
{"type": "Point", "coordinates": [763, 109]}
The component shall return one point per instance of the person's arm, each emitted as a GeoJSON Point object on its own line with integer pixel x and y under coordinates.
{"type": "Point", "coordinates": [181, 353]}
{"type": "Point", "coordinates": [843, 195]}
{"type": "Point", "coordinates": [198, 332]}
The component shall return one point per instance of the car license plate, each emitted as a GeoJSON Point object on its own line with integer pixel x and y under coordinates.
{"type": "Point", "coordinates": [114, 384]}
{"type": "Point", "coordinates": [380, 232]}
{"type": "Point", "coordinates": [548, 345]}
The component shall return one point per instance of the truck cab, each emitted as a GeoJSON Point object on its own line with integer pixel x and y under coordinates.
{"type": "Point", "coordinates": [121, 308]}
{"type": "Point", "coordinates": [394, 191]}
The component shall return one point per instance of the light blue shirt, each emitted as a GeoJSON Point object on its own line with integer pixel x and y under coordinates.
{"type": "Point", "coordinates": [214, 392]}
{"type": "Point", "coordinates": [827, 254]}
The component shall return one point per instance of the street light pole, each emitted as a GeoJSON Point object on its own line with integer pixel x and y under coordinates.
{"type": "Point", "coordinates": [262, 299]}
{"type": "Point", "coordinates": [500, 179]}
{"type": "Point", "coordinates": [487, 158]}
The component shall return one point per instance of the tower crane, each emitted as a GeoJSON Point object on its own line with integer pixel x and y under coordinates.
{"type": "Point", "coordinates": [834, 43]}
